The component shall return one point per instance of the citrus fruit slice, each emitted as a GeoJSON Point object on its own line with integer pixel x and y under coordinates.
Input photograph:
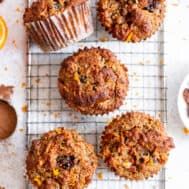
{"type": "Point", "coordinates": [3, 32]}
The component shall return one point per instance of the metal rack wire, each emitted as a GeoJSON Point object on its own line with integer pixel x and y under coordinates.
{"type": "Point", "coordinates": [46, 109]}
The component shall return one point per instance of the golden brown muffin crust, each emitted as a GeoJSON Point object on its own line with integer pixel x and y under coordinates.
{"type": "Point", "coordinates": [61, 159]}
{"type": "Point", "coordinates": [42, 9]}
{"type": "Point", "coordinates": [135, 146]}
{"type": "Point", "coordinates": [93, 81]}
{"type": "Point", "coordinates": [131, 20]}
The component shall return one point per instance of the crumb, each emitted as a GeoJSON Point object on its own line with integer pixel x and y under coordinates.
{"type": "Point", "coordinates": [126, 186]}
{"type": "Point", "coordinates": [37, 80]}
{"type": "Point", "coordinates": [17, 21]}
{"type": "Point", "coordinates": [6, 92]}
{"type": "Point", "coordinates": [18, 9]}
{"type": "Point", "coordinates": [56, 114]}
{"type": "Point", "coordinates": [48, 103]}
{"type": "Point", "coordinates": [175, 4]}
{"type": "Point", "coordinates": [148, 61]}
{"type": "Point", "coordinates": [100, 176]}
{"type": "Point", "coordinates": [5, 68]}
{"type": "Point", "coordinates": [23, 85]}
{"type": "Point", "coordinates": [104, 39]}
{"type": "Point", "coordinates": [186, 131]}
{"type": "Point", "coordinates": [14, 43]}
{"type": "Point", "coordinates": [25, 108]}
{"type": "Point", "coordinates": [161, 62]}
{"type": "Point", "coordinates": [21, 130]}
{"type": "Point", "coordinates": [159, 115]}
{"type": "Point", "coordinates": [141, 63]}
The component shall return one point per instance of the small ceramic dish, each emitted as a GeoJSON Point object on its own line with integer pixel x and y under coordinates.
{"type": "Point", "coordinates": [182, 105]}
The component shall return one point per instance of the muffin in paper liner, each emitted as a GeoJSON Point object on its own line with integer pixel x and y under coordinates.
{"type": "Point", "coordinates": [135, 146]}
{"type": "Point", "coordinates": [93, 81]}
{"type": "Point", "coordinates": [132, 20]}
{"type": "Point", "coordinates": [62, 29]}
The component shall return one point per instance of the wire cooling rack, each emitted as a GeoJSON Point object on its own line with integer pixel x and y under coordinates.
{"type": "Point", "coordinates": [147, 93]}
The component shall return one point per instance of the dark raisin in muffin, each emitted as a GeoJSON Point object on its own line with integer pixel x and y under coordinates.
{"type": "Point", "coordinates": [131, 20]}
{"type": "Point", "coordinates": [135, 146]}
{"type": "Point", "coordinates": [61, 159]}
{"type": "Point", "coordinates": [93, 81]}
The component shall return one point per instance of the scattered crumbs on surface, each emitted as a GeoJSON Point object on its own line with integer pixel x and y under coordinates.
{"type": "Point", "coordinates": [45, 114]}
{"type": "Point", "coordinates": [141, 63]}
{"type": "Point", "coordinates": [48, 104]}
{"type": "Point", "coordinates": [21, 130]}
{"type": "Point", "coordinates": [159, 115]}
{"type": "Point", "coordinates": [14, 43]}
{"type": "Point", "coordinates": [148, 61]}
{"type": "Point", "coordinates": [37, 81]}
{"type": "Point", "coordinates": [17, 21]}
{"type": "Point", "coordinates": [25, 108]}
{"type": "Point", "coordinates": [104, 39]}
{"type": "Point", "coordinates": [18, 9]}
{"type": "Point", "coordinates": [175, 4]}
{"type": "Point", "coordinates": [56, 115]}
{"type": "Point", "coordinates": [186, 131]}
{"type": "Point", "coordinates": [161, 62]}
{"type": "Point", "coordinates": [100, 175]}
{"type": "Point", "coordinates": [23, 85]}
{"type": "Point", "coordinates": [6, 92]}
{"type": "Point", "coordinates": [135, 106]}
{"type": "Point", "coordinates": [126, 186]}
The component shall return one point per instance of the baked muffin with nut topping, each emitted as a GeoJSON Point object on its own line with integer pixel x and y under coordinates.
{"type": "Point", "coordinates": [135, 146]}
{"type": "Point", "coordinates": [61, 159]}
{"type": "Point", "coordinates": [131, 20]}
{"type": "Point", "coordinates": [93, 81]}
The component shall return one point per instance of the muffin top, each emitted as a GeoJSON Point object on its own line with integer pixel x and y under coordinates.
{"type": "Point", "coordinates": [42, 9]}
{"type": "Point", "coordinates": [61, 159]}
{"type": "Point", "coordinates": [135, 146]}
{"type": "Point", "coordinates": [131, 20]}
{"type": "Point", "coordinates": [93, 81]}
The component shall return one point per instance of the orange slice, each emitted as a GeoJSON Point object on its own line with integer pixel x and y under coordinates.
{"type": "Point", "coordinates": [3, 32]}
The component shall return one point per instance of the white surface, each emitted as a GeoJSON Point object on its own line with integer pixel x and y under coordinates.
{"type": "Point", "coordinates": [12, 150]}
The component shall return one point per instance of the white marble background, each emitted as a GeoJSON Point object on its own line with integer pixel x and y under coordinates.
{"type": "Point", "coordinates": [12, 72]}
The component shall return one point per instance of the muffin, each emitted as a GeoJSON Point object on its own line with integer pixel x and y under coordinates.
{"type": "Point", "coordinates": [131, 20]}
{"type": "Point", "coordinates": [54, 24]}
{"type": "Point", "coordinates": [61, 159]}
{"type": "Point", "coordinates": [135, 146]}
{"type": "Point", "coordinates": [93, 81]}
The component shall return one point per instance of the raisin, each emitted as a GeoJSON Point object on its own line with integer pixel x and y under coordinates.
{"type": "Point", "coordinates": [152, 5]}
{"type": "Point", "coordinates": [83, 79]}
{"type": "Point", "coordinates": [65, 162]}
